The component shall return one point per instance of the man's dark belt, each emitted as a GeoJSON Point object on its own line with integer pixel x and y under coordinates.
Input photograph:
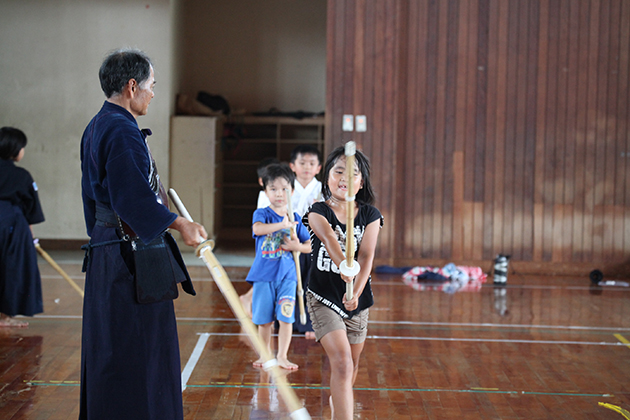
{"type": "Point", "coordinates": [107, 218]}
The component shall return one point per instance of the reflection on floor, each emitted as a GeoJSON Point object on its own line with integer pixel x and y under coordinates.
{"type": "Point", "coordinates": [539, 348]}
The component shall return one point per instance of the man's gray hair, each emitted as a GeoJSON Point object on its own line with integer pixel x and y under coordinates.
{"type": "Point", "coordinates": [122, 65]}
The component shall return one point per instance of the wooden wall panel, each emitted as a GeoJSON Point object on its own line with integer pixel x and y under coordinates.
{"type": "Point", "coordinates": [580, 134]}
{"type": "Point", "coordinates": [622, 186]}
{"type": "Point", "coordinates": [501, 110]}
{"type": "Point", "coordinates": [494, 126]}
{"type": "Point", "coordinates": [490, 128]}
{"type": "Point", "coordinates": [409, 167]}
{"type": "Point", "coordinates": [571, 133]}
{"type": "Point", "coordinates": [438, 215]}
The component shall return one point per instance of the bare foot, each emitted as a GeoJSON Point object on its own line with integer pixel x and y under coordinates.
{"type": "Point", "coordinates": [285, 364]}
{"type": "Point", "coordinates": [258, 363]}
{"type": "Point", "coordinates": [309, 335]}
{"type": "Point", "coordinates": [332, 410]}
{"type": "Point", "coordinates": [9, 322]}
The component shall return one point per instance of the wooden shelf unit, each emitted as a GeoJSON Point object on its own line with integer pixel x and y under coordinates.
{"type": "Point", "coordinates": [246, 141]}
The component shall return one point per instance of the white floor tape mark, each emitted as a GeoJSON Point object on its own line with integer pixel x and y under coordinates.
{"type": "Point", "coordinates": [463, 340]}
{"type": "Point", "coordinates": [194, 358]}
{"type": "Point", "coordinates": [412, 323]}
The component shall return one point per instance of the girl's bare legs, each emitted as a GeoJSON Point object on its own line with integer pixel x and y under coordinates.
{"type": "Point", "coordinates": [284, 341]}
{"type": "Point", "coordinates": [343, 370]}
{"type": "Point", "coordinates": [356, 355]}
{"type": "Point", "coordinates": [265, 333]}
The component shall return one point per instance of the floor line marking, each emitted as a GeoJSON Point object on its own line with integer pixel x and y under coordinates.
{"type": "Point", "coordinates": [484, 324]}
{"type": "Point", "coordinates": [472, 390]}
{"type": "Point", "coordinates": [476, 340]}
{"type": "Point", "coordinates": [415, 323]}
{"type": "Point", "coordinates": [496, 340]}
{"type": "Point", "coordinates": [622, 339]}
{"type": "Point", "coordinates": [377, 337]}
{"type": "Point", "coordinates": [322, 387]}
{"type": "Point", "coordinates": [194, 358]}
{"type": "Point", "coordinates": [453, 324]}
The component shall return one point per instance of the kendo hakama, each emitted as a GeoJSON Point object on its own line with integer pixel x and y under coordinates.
{"type": "Point", "coordinates": [20, 282]}
{"type": "Point", "coordinates": [130, 352]}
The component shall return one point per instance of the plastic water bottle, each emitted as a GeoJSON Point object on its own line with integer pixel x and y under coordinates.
{"type": "Point", "coordinates": [501, 269]}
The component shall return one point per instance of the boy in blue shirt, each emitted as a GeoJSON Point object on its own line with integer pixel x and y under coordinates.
{"type": "Point", "coordinates": [273, 272]}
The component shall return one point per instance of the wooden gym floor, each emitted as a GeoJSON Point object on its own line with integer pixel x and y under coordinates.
{"type": "Point", "coordinates": [548, 348]}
